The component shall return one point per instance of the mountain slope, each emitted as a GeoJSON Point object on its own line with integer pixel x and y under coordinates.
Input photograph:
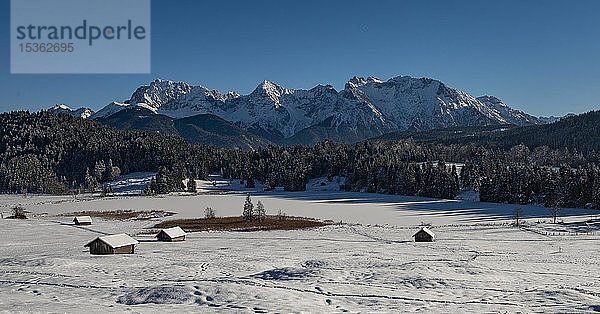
{"type": "Point", "coordinates": [510, 115]}
{"type": "Point", "coordinates": [213, 130]}
{"type": "Point", "coordinates": [204, 129]}
{"type": "Point", "coordinates": [138, 118]}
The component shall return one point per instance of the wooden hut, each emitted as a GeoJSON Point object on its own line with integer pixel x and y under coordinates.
{"type": "Point", "coordinates": [113, 244]}
{"type": "Point", "coordinates": [171, 235]}
{"type": "Point", "coordinates": [424, 235]}
{"type": "Point", "coordinates": [82, 220]}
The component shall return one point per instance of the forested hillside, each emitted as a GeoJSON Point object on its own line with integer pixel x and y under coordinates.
{"type": "Point", "coordinates": [48, 153]}
{"type": "Point", "coordinates": [580, 133]}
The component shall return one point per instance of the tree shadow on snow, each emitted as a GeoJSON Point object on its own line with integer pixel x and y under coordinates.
{"type": "Point", "coordinates": [422, 206]}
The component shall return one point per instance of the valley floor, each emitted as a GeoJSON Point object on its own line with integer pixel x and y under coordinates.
{"type": "Point", "coordinates": [478, 263]}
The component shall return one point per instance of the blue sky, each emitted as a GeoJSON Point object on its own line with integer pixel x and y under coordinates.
{"type": "Point", "coordinates": [538, 56]}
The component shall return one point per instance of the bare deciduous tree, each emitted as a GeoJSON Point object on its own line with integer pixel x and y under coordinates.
{"type": "Point", "coordinates": [518, 215]}
{"type": "Point", "coordinates": [554, 211]}
{"type": "Point", "coordinates": [209, 213]}
{"type": "Point", "coordinates": [281, 215]}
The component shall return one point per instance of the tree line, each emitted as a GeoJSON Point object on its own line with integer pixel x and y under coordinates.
{"type": "Point", "coordinates": [49, 153]}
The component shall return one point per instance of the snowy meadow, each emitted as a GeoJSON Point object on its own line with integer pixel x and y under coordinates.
{"type": "Point", "coordinates": [365, 262]}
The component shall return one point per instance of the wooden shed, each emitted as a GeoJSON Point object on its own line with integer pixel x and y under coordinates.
{"type": "Point", "coordinates": [82, 220]}
{"type": "Point", "coordinates": [113, 244]}
{"type": "Point", "coordinates": [171, 235]}
{"type": "Point", "coordinates": [424, 235]}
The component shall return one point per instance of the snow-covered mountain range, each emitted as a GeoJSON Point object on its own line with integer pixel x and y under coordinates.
{"type": "Point", "coordinates": [366, 107]}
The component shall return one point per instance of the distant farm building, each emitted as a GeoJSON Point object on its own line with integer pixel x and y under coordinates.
{"type": "Point", "coordinates": [424, 235]}
{"type": "Point", "coordinates": [171, 235]}
{"type": "Point", "coordinates": [113, 244]}
{"type": "Point", "coordinates": [82, 220]}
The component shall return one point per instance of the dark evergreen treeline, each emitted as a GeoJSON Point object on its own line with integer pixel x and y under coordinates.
{"type": "Point", "coordinates": [578, 133]}
{"type": "Point", "coordinates": [48, 153]}
{"type": "Point", "coordinates": [549, 186]}
{"type": "Point", "coordinates": [518, 175]}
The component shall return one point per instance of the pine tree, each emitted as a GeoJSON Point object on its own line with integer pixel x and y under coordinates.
{"type": "Point", "coordinates": [99, 170]}
{"type": "Point", "coordinates": [248, 213]}
{"type": "Point", "coordinates": [108, 172]}
{"type": "Point", "coordinates": [454, 183]}
{"type": "Point", "coordinates": [160, 185]}
{"type": "Point", "coordinates": [191, 185]}
{"type": "Point", "coordinates": [105, 190]}
{"type": "Point", "coordinates": [261, 214]}
{"type": "Point", "coordinates": [90, 182]}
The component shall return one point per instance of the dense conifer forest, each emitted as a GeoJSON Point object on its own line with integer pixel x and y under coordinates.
{"type": "Point", "coordinates": [578, 133]}
{"type": "Point", "coordinates": [51, 153]}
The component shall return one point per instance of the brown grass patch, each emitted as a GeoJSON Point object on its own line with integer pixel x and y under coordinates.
{"type": "Point", "coordinates": [123, 214]}
{"type": "Point", "coordinates": [238, 224]}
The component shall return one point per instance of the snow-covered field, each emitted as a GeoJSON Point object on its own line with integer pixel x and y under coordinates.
{"type": "Point", "coordinates": [479, 262]}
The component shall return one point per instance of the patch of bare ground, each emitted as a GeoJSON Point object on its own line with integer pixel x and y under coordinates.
{"type": "Point", "coordinates": [238, 224]}
{"type": "Point", "coordinates": [123, 214]}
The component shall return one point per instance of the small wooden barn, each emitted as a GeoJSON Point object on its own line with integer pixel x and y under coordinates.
{"type": "Point", "coordinates": [113, 244]}
{"type": "Point", "coordinates": [171, 235]}
{"type": "Point", "coordinates": [424, 235]}
{"type": "Point", "coordinates": [82, 220]}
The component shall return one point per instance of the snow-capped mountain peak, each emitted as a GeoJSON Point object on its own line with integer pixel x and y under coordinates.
{"type": "Point", "coordinates": [357, 81]}
{"type": "Point", "coordinates": [64, 109]}
{"type": "Point", "coordinates": [231, 95]}
{"type": "Point", "coordinates": [159, 92]}
{"type": "Point", "coordinates": [272, 91]}
{"type": "Point", "coordinates": [61, 107]}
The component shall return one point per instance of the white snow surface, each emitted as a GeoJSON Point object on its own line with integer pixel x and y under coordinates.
{"type": "Point", "coordinates": [478, 263]}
